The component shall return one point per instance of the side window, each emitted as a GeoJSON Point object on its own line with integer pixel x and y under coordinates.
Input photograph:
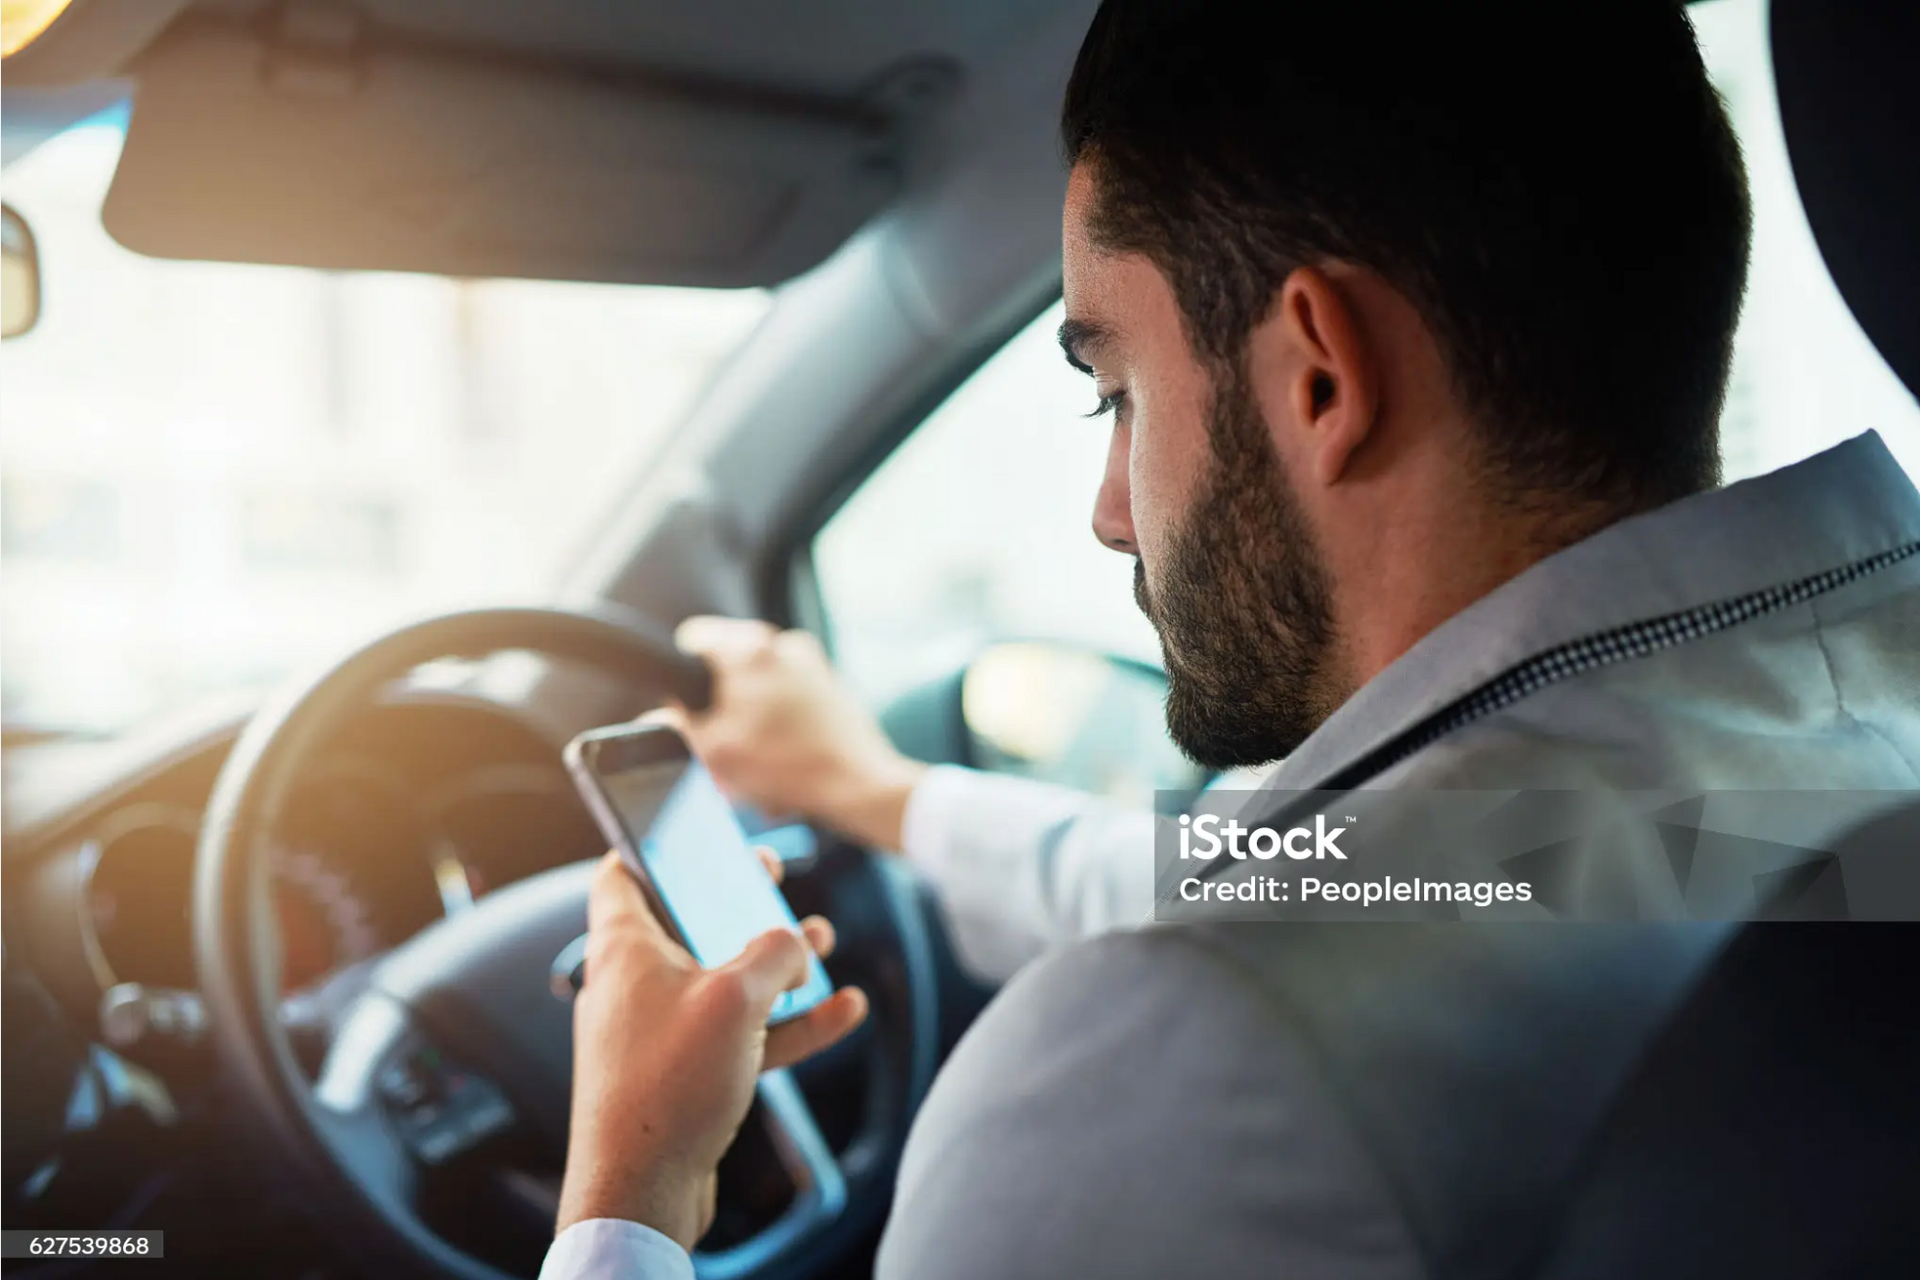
{"type": "Point", "coordinates": [1804, 375]}
{"type": "Point", "coordinates": [976, 533]}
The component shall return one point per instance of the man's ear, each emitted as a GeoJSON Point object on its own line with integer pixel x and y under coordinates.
{"type": "Point", "coordinates": [1330, 383]}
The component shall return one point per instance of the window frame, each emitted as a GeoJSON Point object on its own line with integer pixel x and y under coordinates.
{"type": "Point", "coordinates": [787, 582]}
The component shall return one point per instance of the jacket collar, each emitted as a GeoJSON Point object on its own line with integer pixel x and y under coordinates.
{"type": "Point", "coordinates": [1846, 504]}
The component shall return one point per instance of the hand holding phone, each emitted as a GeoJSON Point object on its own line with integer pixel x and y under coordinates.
{"type": "Point", "coordinates": [666, 1056]}
{"type": "Point", "coordinates": [678, 835]}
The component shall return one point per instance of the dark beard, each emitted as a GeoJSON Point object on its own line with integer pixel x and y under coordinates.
{"type": "Point", "coordinates": [1243, 607]}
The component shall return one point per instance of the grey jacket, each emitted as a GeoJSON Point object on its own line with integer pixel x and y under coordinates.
{"type": "Point", "coordinates": [1307, 1101]}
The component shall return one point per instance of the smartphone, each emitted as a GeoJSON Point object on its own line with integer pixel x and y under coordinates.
{"type": "Point", "coordinates": [679, 836]}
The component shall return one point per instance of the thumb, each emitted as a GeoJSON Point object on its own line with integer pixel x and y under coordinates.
{"type": "Point", "coordinates": [775, 961]}
{"type": "Point", "coordinates": [616, 902]}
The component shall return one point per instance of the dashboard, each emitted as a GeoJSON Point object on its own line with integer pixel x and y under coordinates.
{"type": "Point", "coordinates": [426, 809]}
{"type": "Point", "coordinates": [359, 864]}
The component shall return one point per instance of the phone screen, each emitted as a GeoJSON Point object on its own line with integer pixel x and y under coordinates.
{"type": "Point", "coordinates": [694, 853]}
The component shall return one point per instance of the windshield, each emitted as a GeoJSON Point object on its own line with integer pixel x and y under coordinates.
{"type": "Point", "coordinates": [213, 474]}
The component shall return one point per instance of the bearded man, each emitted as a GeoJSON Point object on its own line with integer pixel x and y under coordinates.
{"type": "Point", "coordinates": [1414, 327]}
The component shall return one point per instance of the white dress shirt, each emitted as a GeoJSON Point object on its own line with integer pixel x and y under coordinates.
{"type": "Point", "coordinates": [615, 1249]}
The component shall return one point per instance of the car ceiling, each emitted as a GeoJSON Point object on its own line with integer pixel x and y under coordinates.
{"type": "Point", "coordinates": [827, 47]}
{"type": "Point", "coordinates": [824, 47]}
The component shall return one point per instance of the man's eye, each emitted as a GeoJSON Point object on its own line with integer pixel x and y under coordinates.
{"type": "Point", "coordinates": [1109, 403]}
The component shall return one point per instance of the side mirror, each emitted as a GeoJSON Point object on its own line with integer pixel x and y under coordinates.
{"type": "Point", "coordinates": [1073, 716]}
{"type": "Point", "coordinates": [20, 281]}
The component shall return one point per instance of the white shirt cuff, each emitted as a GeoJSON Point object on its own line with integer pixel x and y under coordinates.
{"type": "Point", "coordinates": [932, 815]}
{"type": "Point", "coordinates": [615, 1249]}
{"type": "Point", "coordinates": [1021, 866]}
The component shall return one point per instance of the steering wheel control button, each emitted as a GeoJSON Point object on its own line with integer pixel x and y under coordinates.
{"type": "Point", "coordinates": [486, 1115]}
{"type": "Point", "coordinates": [440, 1109]}
{"type": "Point", "coordinates": [131, 1013]}
{"type": "Point", "coordinates": [437, 1143]}
{"type": "Point", "coordinates": [403, 1087]}
{"type": "Point", "coordinates": [123, 1015]}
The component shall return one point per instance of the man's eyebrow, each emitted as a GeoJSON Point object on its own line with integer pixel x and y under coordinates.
{"type": "Point", "coordinates": [1081, 340]}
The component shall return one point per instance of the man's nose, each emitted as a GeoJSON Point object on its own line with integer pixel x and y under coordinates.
{"type": "Point", "coordinates": [1113, 507]}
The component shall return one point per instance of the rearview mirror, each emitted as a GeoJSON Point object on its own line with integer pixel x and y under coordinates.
{"type": "Point", "coordinates": [20, 281]}
{"type": "Point", "coordinates": [1060, 713]}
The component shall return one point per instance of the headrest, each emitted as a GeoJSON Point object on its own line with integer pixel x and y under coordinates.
{"type": "Point", "coordinates": [1848, 74]}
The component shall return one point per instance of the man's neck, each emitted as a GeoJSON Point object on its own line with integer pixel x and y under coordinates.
{"type": "Point", "coordinates": [1437, 556]}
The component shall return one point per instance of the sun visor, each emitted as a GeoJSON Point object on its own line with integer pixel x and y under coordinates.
{"type": "Point", "coordinates": [242, 149]}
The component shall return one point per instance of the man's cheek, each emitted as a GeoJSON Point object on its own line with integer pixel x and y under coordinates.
{"type": "Point", "coordinates": [1153, 484]}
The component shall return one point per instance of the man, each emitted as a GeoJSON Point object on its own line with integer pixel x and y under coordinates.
{"type": "Point", "coordinates": [1415, 345]}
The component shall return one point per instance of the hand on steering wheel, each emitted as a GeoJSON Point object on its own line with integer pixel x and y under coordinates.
{"type": "Point", "coordinates": [786, 735]}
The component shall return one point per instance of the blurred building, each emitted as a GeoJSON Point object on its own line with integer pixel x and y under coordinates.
{"type": "Point", "coordinates": [211, 473]}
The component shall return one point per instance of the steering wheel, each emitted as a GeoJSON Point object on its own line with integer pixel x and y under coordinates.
{"type": "Point", "coordinates": [454, 1045]}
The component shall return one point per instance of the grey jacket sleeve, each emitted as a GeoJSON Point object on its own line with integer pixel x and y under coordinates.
{"type": "Point", "coordinates": [1130, 1108]}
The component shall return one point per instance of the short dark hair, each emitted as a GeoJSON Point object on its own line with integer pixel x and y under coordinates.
{"type": "Point", "coordinates": [1552, 183]}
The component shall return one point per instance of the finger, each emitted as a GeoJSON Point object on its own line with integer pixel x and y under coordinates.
{"type": "Point", "coordinates": [818, 931]}
{"type": "Point", "coordinates": [671, 716]}
{"type": "Point", "coordinates": [775, 961]}
{"type": "Point", "coordinates": [615, 902]}
{"type": "Point", "coordinates": [715, 637]}
{"type": "Point", "coordinates": [771, 861]}
{"type": "Point", "coordinates": [825, 1024]}
{"type": "Point", "coordinates": [709, 1201]}
{"type": "Point", "coordinates": [798, 643]}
